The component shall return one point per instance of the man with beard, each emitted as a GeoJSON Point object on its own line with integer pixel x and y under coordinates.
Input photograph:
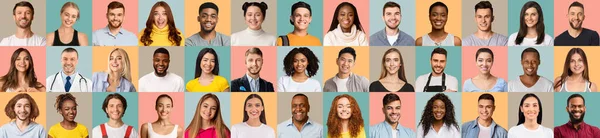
{"type": "Point", "coordinates": [391, 127]}
{"type": "Point", "coordinates": [437, 80]}
{"type": "Point", "coordinates": [251, 82]}
{"type": "Point", "coordinates": [161, 80]}
{"type": "Point", "coordinates": [299, 126]}
{"type": "Point", "coordinates": [576, 128]}
{"type": "Point", "coordinates": [208, 18]}
{"type": "Point", "coordinates": [391, 35]}
{"type": "Point", "coordinates": [530, 81]}
{"type": "Point", "coordinates": [484, 126]}
{"type": "Point", "coordinates": [114, 34]}
{"type": "Point", "coordinates": [68, 79]}
{"type": "Point", "coordinates": [577, 35]}
{"type": "Point", "coordinates": [484, 16]}
{"type": "Point", "coordinates": [23, 15]}
{"type": "Point", "coordinates": [345, 80]}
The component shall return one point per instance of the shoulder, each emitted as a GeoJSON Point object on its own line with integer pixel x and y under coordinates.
{"type": "Point", "coordinates": [468, 124]}
{"type": "Point", "coordinates": [146, 77]}
{"type": "Point", "coordinates": [450, 77]}
{"type": "Point", "coordinates": [313, 81]}
{"type": "Point", "coordinates": [557, 79]}
{"type": "Point", "coordinates": [220, 79]}
{"type": "Point", "coordinates": [144, 127]}
{"type": "Point", "coordinates": [50, 36]}
{"type": "Point", "coordinates": [96, 129]}
{"type": "Point", "coordinates": [330, 34]}
{"type": "Point", "coordinates": [547, 37]}
{"type": "Point", "coordinates": [544, 79]}
{"type": "Point", "coordinates": [81, 35]}
{"type": "Point", "coordinates": [514, 129]}
{"type": "Point", "coordinates": [192, 82]}
{"type": "Point", "coordinates": [284, 78]}
{"type": "Point", "coordinates": [99, 76]}
{"type": "Point", "coordinates": [79, 126]}
{"type": "Point", "coordinates": [513, 36]}
{"type": "Point", "coordinates": [375, 84]}
{"type": "Point", "coordinates": [501, 81]}
{"type": "Point", "coordinates": [547, 130]}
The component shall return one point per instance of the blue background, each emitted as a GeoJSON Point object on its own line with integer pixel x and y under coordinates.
{"type": "Point", "coordinates": [283, 17]}
{"type": "Point", "coordinates": [591, 113]}
{"type": "Point", "coordinates": [545, 69]}
{"type": "Point", "coordinates": [192, 99]}
{"type": "Point", "coordinates": [453, 63]}
{"type": "Point", "coordinates": [145, 8]}
{"type": "Point", "coordinates": [131, 113]}
{"type": "Point", "coordinates": [53, 59]}
{"type": "Point", "coordinates": [514, 12]}
{"type": "Point", "coordinates": [223, 54]}
{"type": "Point", "coordinates": [83, 24]}
{"type": "Point", "coordinates": [407, 10]}
{"type": "Point", "coordinates": [363, 103]}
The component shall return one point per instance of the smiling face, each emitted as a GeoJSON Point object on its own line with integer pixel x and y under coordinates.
{"type": "Point", "coordinates": [115, 109]}
{"type": "Point", "coordinates": [576, 64]}
{"type": "Point", "coordinates": [486, 109]}
{"type": "Point", "coordinates": [254, 63]}
{"type": "Point", "coordinates": [576, 109]}
{"type": "Point", "coordinates": [576, 17]}
{"type": "Point", "coordinates": [438, 17]}
{"type": "Point", "coordinates": [164, 107]}
{"type": "Point", "coordinates": [300, 108]}
{"type": "Point", "coordinates": [438, 63]}
{"type": "Point", "coordinates": [69, 16]}
{"type": "Point", "coordinates": [254, 108]}
{"type": "Point", "coordinates": [116, 61]}
{"type": "Point", "coordinates": [530, 108]}
{"type": "Point", "coordinates": [484, 19]}
{"type": "Point", "coordinates": [346, 17]}
{"type": "Point", "coordinates": [207, 63]}
{"type": "Point", "coordinates": [439, 110]}
{"type": "Point", "coordinates": [345, 63]}
{"type": "Point", "coordinates": [392, 63]}
{"type": "Point", "coordinates": [161, 64]}
{"type": "Point", "coordinates": [23, 109]}
{"type": "Point", "coordinates": [392, 17]}
{"type": "Point", "coordinates": [254, 18]}
{"type": "Point", "coordinates": [300, 63]}
{"type": "Point", "coordinates": [208, 109]}
{"type": "Point", "coordinates": [484, 62]}
{"type": "Point", "coordinates": [160, 17]}
{"type": "Point", "coordinates": [392, 112]}
{"type": "Point", "coordinates": [301, 18]}
{"type": "Point", "coordinates": [69, 62]}
{"type": "Point", "coordinates": [531, 17]}
{"type": "Point", "coordinates": [68, 110]}
{"type": "Point", "coordinates": [530, 63]}
{"type": "Point", "coordinates": [344, 108]}
{"type": "Point", "coordinates": [208, 19]}
{"type": "Point", "coordinates": [23, 16]}
{"type": "Point", "coordinates": [115, 17]}
{"type": "Point", "coordinates": [23, 62]}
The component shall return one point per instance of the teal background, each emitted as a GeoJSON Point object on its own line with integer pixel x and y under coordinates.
{"type": "Point", "coordinates": [423, 97]}
{"type": "Point", "coordinates": [453, 63]}
{"type": "Point", "coordinates": [176, 7]}
{"type": "Point", "coordinates": [191, 53]}
{"type": "Point", "coordinates": [283, 17]}
{"type": "Point", "coordinates": [407, 10]}
{"type": "Point", "coordinates": [83, 24]}
{"type": "Point", "coordinates": [545, 69]}
{"type": "Point", "coordinates": [591, 113]}
{"type": "Point", "coordinates": [363, 103]}
{"type": "Point", "coordinates": [514, 11]}
{"type": "Point", "coordinates": [131, 113]}
{"type": "Point", "coordinates": [283, 51]}
{"type": "Point", "coordinates": [192, 99]}
{"type": "Point", "coordinates": [84, 65]}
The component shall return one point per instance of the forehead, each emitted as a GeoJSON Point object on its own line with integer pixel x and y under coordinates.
{"type": "Point", "coordinates": [161, 55]}
{"type": "Point", "coordinates": [22, 8]}
{"type": "Point", "coordinates": [68, 54]}
{"type": "Point", "coordinates": [439, 9]}
{"type": "Point", "coordinates": [438, 56]}
{"type": "Point", "coordinates": [300, 99]}
{"type": "Point", "coordinates": [209, 11]}
{"type": "Point", "coordinates": [530, 100]}
{"type": "Point", "coordinates": [114, 101]}
{"type": "Point", "coordinates": [575, 8]}
{"type": "Point", "coordinates": [23, 101]}
{"type": "Point", "coordinates": [576, 100]}
{"type": "Point", "coordinates": [159, 8]}
{"type": "Point", "coordinates": [483, 11]}
{"type": "Point", "coordinates": [485, 102]}
{"type": "Point", "coordinates": [301, 10]}
{"type": "Point", "coordinates": [531, 10]}
{"type": "Point", "coordinates": [391, 9]}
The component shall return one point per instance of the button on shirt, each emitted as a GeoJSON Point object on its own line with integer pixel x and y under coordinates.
{"type": "Point", "coordinates": [310, 129]}
{"type": "Point", "coordinates": [385, 130]}
{"type": "Point", "coordinates": [103, 37]}
{"type": "Point", "coordinates": [444, 132]}
{"type": "Point", "coordinates": [568, 131]}
{"type": "Point", "coordinates": [254, 86]}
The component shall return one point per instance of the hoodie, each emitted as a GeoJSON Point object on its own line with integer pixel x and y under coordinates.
{"type": "Point", "coordinates": [34, 130]}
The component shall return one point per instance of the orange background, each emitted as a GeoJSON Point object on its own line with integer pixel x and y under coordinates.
{"type": "Point", "coordinates": [40, 100]}
{"type": "Point", "coordinates": [330, 59]}
{"type": "Point", "coordinates": [100, 60]}
{"type": "Point", "coordinates": [453, 25]}
{"type": "Point", "coordinates": [469, 64]}
{"type": "Point", "coordinates": [192, 25]}
{"type": "Point", "coordinates": [470, 107]}
{"type": "Point", "coordinates": [560, 54]}
{"type": "Point", "coordinates": [270, 106]}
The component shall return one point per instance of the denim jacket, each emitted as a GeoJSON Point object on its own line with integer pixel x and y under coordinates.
{"type": "Point", "coordinates": [471, 130]}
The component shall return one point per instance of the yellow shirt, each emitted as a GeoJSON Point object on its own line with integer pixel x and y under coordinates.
{"type": "Point", "coordinates": [361, 134]}
{"type": "Point", "coordinates": [57, 131]}
{"type": "Point", "coordinates": [219, 84]}
{"type": "Point", "coordinates": [160, 37]}
{"type": "Point", "coordinates": [296, 40]}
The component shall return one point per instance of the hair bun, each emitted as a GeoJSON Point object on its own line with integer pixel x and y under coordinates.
{"type": "Point", "coordinates": [245, 6]}
{"type": "Point", "coordinates": [264, 5]}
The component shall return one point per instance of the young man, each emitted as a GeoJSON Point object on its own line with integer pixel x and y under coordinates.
{"type": "Point", "coordinates": [345, 80]}
{"type": "Point", "coordinates": [68, 79]}
{"type": "Point", "coordinates": [437, 80]}
{"type": "Point", "coordinates": [391, 35]}
{"type": "Point", "coordinates": [576, 127]}
{"type": "Point", "coordinates": [576, 35]}
{"type": "Point", "coordinates": [484, 126]}
{"type": "Point", "coordinates": [208, 18]}
{"type": "Point", "coordinates": [161, 80]}
{"type": "Point", "coordinates": [530, 81]}
{"type": "Point", "coordinates": [23, 15]}
{"type": "Point", "coordinates": [484, 36]}
{"type": "Point", "coordinates": [114, 34]}
{"type": "Point", "coordinates": [391, 127]}
{"type": "Point", "coordinates": [251, 82]}
{"type": "Point", "coordinates": [114, 106]}
{"type": "Point", "coordinates": [299, 126]}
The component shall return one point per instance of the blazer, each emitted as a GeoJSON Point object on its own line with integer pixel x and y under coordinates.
{"type": "Point", "coordinates": [243, 85]}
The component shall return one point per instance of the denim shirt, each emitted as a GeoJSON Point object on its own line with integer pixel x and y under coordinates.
{"type": "Point", "coordinates": [100, 83]}
{"type": "Point", "coordinates": [309, 130]}
{"type": "Point", "coordinates": [384, 130]}
{"type": "Point", "coordinates": [471, 130]}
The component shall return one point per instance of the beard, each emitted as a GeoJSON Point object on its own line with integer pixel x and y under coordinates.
{"type": "Point", "coordinates": [25, 25]}
{"type": "Point", "coordinates": [575, 120]}
{"type": "Point", "coordinates": [392, 27]}
{"type": "Point", "coordinates": [206, 29]}
{"type": "Point", "coordinates": [433, 70]}
{"type": "Point", "coordinates": [575, 27]}
{"type": "Point", "coordinates": [115, 26]}
{"type": "Point", "coordinates": [164, 73]}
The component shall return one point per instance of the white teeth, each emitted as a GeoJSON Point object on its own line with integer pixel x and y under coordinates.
{"type": "Point", "coordinates": [529, 69]}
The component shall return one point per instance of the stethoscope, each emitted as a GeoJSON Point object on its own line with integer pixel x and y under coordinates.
{"type": "Point", "coordinates": [80, 78]}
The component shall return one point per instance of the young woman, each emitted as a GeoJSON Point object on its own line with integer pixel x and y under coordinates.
{"type": "Point", "coordinates": [254, 124]}
{"type": "Point", "coordinates": [160, 28]}
{"type": "Point", "coordinates": [575, 76]}
{"type": "Point", "coordinates": [21, 74]}
{"type": "Point", "coordinates": [300, 18]}
{"type": "Point", "coordinates": [207, 77]}
{"type": "Point", "coordinates": [117, 78]}
{"type": "Point", "coordinates": [345, 119]}
{"type": "Point", "coordinates": [438, 119]}
{"type": "Point", "coordinates": [22, 111]}
{"type": "Point", "coordinates": [392, 78]}
{"type": "Point", "coordinates": [299, 65]}
{"type": "Point", "coordinates": [114, 106]}
{"type": "Point", "coordinates": [207, 121]}
{"type": "Point", "coordinates": [438, 16]}
{"type": "Point", "coordinates": [530, 120]}
{"type": "Point", "coordinates": [345, 28]}
{"type": "Point", "coordinates": [162, 127]}
{"type": "Point", "coordinates": [65, 35]}
{"type": "Point", "coordinates": [66, 105]}
{"type": "Point", "coordinates": [485, 81]}
{"type": "Point", "coordinates": [531, 28]}
{"type": "Point", "coordinates": [254, 15]}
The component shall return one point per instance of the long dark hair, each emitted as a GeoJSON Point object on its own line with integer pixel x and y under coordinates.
{"type": "Point", "coordinates": [427, 116]}
{"type": "Point", "coordinates": [263, 117]}
{"type": "Point", "coordinates": [384, 71]}
{"type": "Point", "coordinates": [335, 22]}
{"type": "Point", "coordinates": [173, 33]}
{"type": "Point", "coordinates": [201, 54]}
{"type": "Point", "coordinates": [567, 70]}
{"type": "Point", "coordinates": [522, 116]}
{"type": "Point", "coordinates": [12, 81]}
{"type": "Point", "coordinates": [539, 27]}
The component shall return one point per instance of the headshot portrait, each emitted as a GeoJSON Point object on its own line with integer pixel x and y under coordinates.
{"type": "Point", "coordinates": [485, 69]}
{"type": "Point", "coordinates": [296, 116]}
{"type": "Point", "coordinates": [392, 111]}
{"type": "Point", "coordinates": [439, 75]}
{"type": "Point", "coordinates": [346, 28]}
{"type": "Point", "coordinates": [70, 114]}
{"type": "Point", "coordinates": [113, 23]}
{"type": "Point", "coordinates": [438, 16]}
{"type": "Point", "coordinates": [346, 73]}
{"type": "Point", "coordinates": [210, 117]}
{"type": "Point", "coordinates": [572, 70]}
{"type": "Point", "coordinates": [574, 23]}
{"type": "Point", "coordinates": [255, 67]}
{"type": "Point", "coordinates": [484, 114]}
{"type": "Point", "coordinates": [162, 75]}
{"type": "Point", "coordinates": [528, 118]}
{"type": "Point", "coordinates": [528, 73]}
{"type": "Point", "coordinates": [121, 112]}
{"type": "Point", "coordinates": [160, 28]}
{"type": "Point", "coordinates": [484, 23]}
{"type": "Point", "coordinates": [438, 110]}
{"type": "Point", "coordinates": [115, 69]}
{"type": "Point", "coordinates": [255, 117]}
{"type": "Point", "coordinates": [22, 109]}
{"type": "Point", "coordinates": [260, 19]}
{"type": "Point", "coordinates": [19, 73]}
{"type": "Point", "coordinates": [207, 75]}
{"type": "Point", "coordinates": [208, 29]}
{"type": "Point", "coordinates": [345, 119]}
{"type": "Point", "coordinates": [531, 18]}
{"type": "Point", "coordinates": [69, 75]}
{"type": "Point", "coordinates": [393, 68]}
{"type": "Point", "coordinates": [27, 32]}
{"type": "Point", "coordinates": [576, 119]}
{"type": "Point", "coordinates": [300, 69]}
{"type": "Point", "coordinates": [301, 24]}
{"type": "Point", "coordinates": [392, 23]}
{"type": "Point", "coordinates": [163, 115]}
{"type": "Point", "coordinates": [70, 23]}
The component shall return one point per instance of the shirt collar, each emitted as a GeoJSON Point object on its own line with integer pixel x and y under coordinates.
{"type": "Point", "coordinates": [104, 78]}
{"type": "Point", "coordinates": [64, 76]}
{"type": "Point", "coordinates": [476, 123]}
{"type": "Point", "coordinates": [250, 78]}
{"type": "Point", "coordinates": [398, 126]}
{"type": "Point", "coordinates": [581, 125]}
{"type": "Point", "coordinates": [290, 122]}
{"type": "Point", "coordinates": [107, 30]}
{"type": "Point", "coordinates": [208, 129]}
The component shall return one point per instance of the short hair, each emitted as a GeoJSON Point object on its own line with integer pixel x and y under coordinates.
{"type": "Point", "coordinates": [9, 109]}
{"type": "Point", "coordinates": [532, 50]}
{"type": "Point", "coordinates": [70, 49]}
{"type": "Point", "coordinates": [300, 95]}
{"type": "Point", "coordinates": [201, 54]}
{"type": "Point", "coordinates": [313, 61]}
{"type": "Point", "coordinates": [575, 96]}
{"type": "Point", "coordinates": [162, 51]}
{"type": "Point", "coordinates": [484, 5]}
{"type": "Point", "coordinates": [300, 4]}
{"type": "Point", "coordinates": [115, 5]}
{"type": "Point", "coordinates": [208, 5]}
{"type": "Point", "coordinates": [390, 97]}
{"type": "Point", "coordinates": [262, 5]}
{"type": "Point", "coordinates": [24, 4]}
{"type": "Point", "coordinates": [114, 96]}
{"type": "Point", "coordinates": [576, 4]}
{"type": "Point", "coordinates": [254, 50]}
{"type": "Point", "coordinates": [391, 4]}
{"type": "Point", "coordinates": [348, 50]}
{"type": "Point", "coordinates": [487, 96]}
{"type": "Point", "coordinates": [73, 5]}
{"type": "Point", "coordinates": [484, 50]}
{"type": "Point", "coordinates": [439, 3]}
{"type": "Point", "coordinates": [439, 50]}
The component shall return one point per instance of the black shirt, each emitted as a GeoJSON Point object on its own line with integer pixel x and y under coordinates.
{"type": "Point", "coordinates": [378, 87]}
{"type": "Point", "coordinates": [587, 37]}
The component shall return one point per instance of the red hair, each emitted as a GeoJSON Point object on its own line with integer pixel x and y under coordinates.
{"type": "Point", "coordinates": [334, 123]}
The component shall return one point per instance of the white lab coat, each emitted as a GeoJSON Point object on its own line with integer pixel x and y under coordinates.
{"type": "Point", "coordinates": [79, 84]}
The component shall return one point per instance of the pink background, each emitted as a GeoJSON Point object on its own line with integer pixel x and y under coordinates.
{"type": "Point", "coordinates": [129, 22]}
{"type": "Point", "coordinates": [269, 69]}
{"type": "Point", "coordinates": [147, 113]}
{"type": "Point", "coordinates": [39, 60]}
{"type": "Point", "coordinates": [561, 21]}
{"type": "Point", "coordinates": [469, 64]}
{"type": "Point", "coordinates": [362, 7]}
{"type": "Point", "coordinates": [407, 118]}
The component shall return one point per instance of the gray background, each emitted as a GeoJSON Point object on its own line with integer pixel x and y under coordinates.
{"type": "Point", "coordinates": [238, 23]}
{"type": "Point", "coordinates": [499, 25]}
{"type": "Point", "coordinates": [547, 99]}
{"type": "Point", "coordinates": [284, 111]}
{"type": "Point", "coordinates": [84, 110]}
{"type": "Point", "coordinates": [175, 66]}
{"type": "Point", "coordinates": [38, 25]}
{"type": "Point", "coordinates": [408, 56]}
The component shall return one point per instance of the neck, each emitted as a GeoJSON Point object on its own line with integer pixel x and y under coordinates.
{"type": "Point", "coordinates": [68, 123]}
{"type": "Point", "coordinates": [390, 31]}
{"type": "Point", "coordinates": [115, 123]}
{"type": "Point", "coordinates": [438, 122]}
{"type": "Point", "coordinates": [253, 76]}
{"type": "Point", "coordinates": [208, 35]}
{"type": "Point", "coordinates": [576, 77]}
{"type": "Point", "coordinates": [300, 32]}
{"type": "Point", "coordinates": [346, 30]}
{"type": "Point", "coordinates": [574, 32]}
{"type": "Point", "coordinates": [65, 29]}
{"type": "Point", "coordinates": [299, 74]}
{"type": "Point", "coordinates": [577, 125]}
{"type": "Point", "coordinates": [22, 123]}
{"type": "Point", "coordinates": [206, 75]}
{"type": "Point", "coordinates": [23, 33]}
{"type": "Point", "coordinates": [69, 74]}
{"type": "Point", "coordinates": [254, 122]}
{"type": "Point", "coordinates": [393, 124]}
{"type": "Point", "coordinates": [531, 124]}
{"type": "Point", "coordinates": [343, 75]}
{"type": "Point", "coordinates": [531, 31]}
{"type": "Point", "coordinates": [345, 123]}
{"type": "Point", "coordinates": [299, 124]}
{"type": "Point", "coordinates": [484, 34]}
{"type": "Point", "coordinates": [114, 76]}
{"type": "Point", "coordinates": [114, 30]}
{"type": "Point", "coordinates": [163, 122]}
{"type": "Point", "coordinates": [484, 76]}
{"type": "Point", "coordinates": [21, 78]}
{"type": "Point", "coordinates": [532, 77]}
{"type": "Point", "coordinates": [485, 122]}
{"type": "Point", "coordinates": [434, 74]}
{"type": "Point", "coordinates": [392, 77]}
{"type": "Point", "coordinates": [206, 124]}
{"type": "Point", "coordinates": [437, 32]}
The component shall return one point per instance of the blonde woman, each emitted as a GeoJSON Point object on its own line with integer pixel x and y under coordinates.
{"type": "Point", "coordinates": [66, 35]}
{"type": "Point", "coordinates": [117, 78]}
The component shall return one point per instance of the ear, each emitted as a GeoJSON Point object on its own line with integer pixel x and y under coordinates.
{"type": "Point", "coordinates": [493, 17]}
{"type": "Point", "coordinates": [198, 18]}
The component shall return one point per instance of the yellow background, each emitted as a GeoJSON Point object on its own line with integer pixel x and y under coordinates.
{"type": "Point", "coordinates": [560, 54]}
{"type": "Point", "coordinates": [270, 106]}
{"type": "Point", "coordinates": [453, 25]}
{"type": "Point", "coordinates": [192, 25]}
{"type": "Point", "coordinates": [100, 60]}
{"type": "Point", "coordinates": [331, 68]}
{"type": "Point", "coordinates": [40, 100]}
{"type": "Point", "coordinates": [470, 107]}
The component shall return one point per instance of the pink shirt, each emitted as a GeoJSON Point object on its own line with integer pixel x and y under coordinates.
{"type": "Point", "coordinates": [208, 133]}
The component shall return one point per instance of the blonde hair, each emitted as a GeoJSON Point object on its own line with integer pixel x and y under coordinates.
{"type": "Point", "coordinates": [72, 5]}
{"type": "Point", "coordinates": [126, 64]}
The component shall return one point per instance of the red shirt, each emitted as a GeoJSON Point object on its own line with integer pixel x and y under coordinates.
{"type": "Point", "coordinates": [568, 131]}
{"type": "Point", "coordinates": [207, 133]}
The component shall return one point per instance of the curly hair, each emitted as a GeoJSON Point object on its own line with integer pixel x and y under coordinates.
{"type": "Point", "coordinates": [9, 109]}
{"type": "Point", "coordinates": [427, 116]}
{"type": "Point", "coordinates": [334, 123]}
{"type": "Point", "coordinates": [313, 61]}
{"type": "Point", "coordinates": [173, 32]}
{"type": "Point", "coordinates": [60, 99]}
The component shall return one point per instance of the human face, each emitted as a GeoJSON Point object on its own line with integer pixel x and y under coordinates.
{"type": "Point", "coordinates": [576, 109]}
{"type": "Point", "coordinates": [254, 18]}
{"type": "Point", "coordinates": [69, 16]}
{"type": "Point", "coordinates": [115, 17]}
{"type": "Point", "coordinates": [576, 17]}
{"type": "Point", "coordinates": [207, 63]}
{"type": "Point", "coordinates": [438, 17]}
{"type": "Point", "coordinates": [301, 18]}
{"type": "Point", "coordinates": [300, 62]}
{"type": "Point", "coordinates": [160, 17]}
{"type": "Point", "coordinates": [208, 19]}
{"type": "Point", "coordinates": [69, 110]}
{"type": "Point", "coordinates": [392, 112]}
{"type": "Point", "coordinates": [484, 19]}
{"type": "Point", "coordinates": [531, 17]}
{"type": "Point", "coordinates": [392, 63]}
{"type": "Point", "coordinates": [438, 63]}
{"type": "Point", "coordinates": [115, 109]}
{"type": "Point", "coordinates": [23, 17]}
{"type": "Point", "coordinates": [300, 108]}
{"type": "Point", "coordinates": [23, 62]}
{"type": "Point", "coordinates": [116, 61]}
{"type": "Point", "coordinates": [346, 17]}
{"type": "Point", "coordinates": [344, 108]}
{"type": "Point", "coordinates": [486, 109]}
{"type": "Point", "coordinates": [345, 63]}
{"type": "Point", "coordinates": [392, 17]}
{"type": "Point", "coordinates": [208, 109]}
{"type": "Point", "coordinates": [163, 108]}
{"type": "Point", "coordinates": [576, 64]}
{"type": "Point", "coordinates": [530, 108]}
{"type": "Point", "coordinates": [161, 64]}
{"type": "Point", "coordinates": [23, 109]}
{"type": "Point", "coordinates": [485, 62]}
{"type": "Point", "coordinates": [439, 109]}
{"type": "Point", "coordinates": [254, 108]}
{"type": "Point", "coordinates": [530, 63]}
{"type": "Point", "coordinates": [254, 63]}
{"type": "Point", "coordinates": [69, 62]}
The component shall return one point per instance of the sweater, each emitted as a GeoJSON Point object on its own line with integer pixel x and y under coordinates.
{"type": "Point", "coordinates": [339, 38]}
{"type": "Point", "coordinates": [249, 37]}
{"type": "Point", "coordinates": [160, 37]}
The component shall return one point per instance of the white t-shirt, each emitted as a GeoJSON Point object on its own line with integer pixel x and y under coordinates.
{"type": "Point", "coordinates": [243, 130]}
{"type": "Point", "coordinates": [548, 41]}
{"type": "Point", "coordinates": [287, 84]}
{"type": "Point", "coordinates": [484, 132]}
{"type": "Point", "coordinates": [169, 83]}
{"type": "Point", "coordinates": [394, 133]}
{"type": "Point", "coordinates": [113, 132]}
{"type": "Point", "coordinates": [451, 82]}
{"type": "Point", "coordinates": [34, 40]}
{"type": "Point", "coordinates": [392, 38]}
{"type": "Point", "coordinates": [445, 132]}
{"type": "Point", "coordinates": [542, 85]}
{"type": "Point", "coordinates": [521, 132]}
{"type": "Point", "coordinates": [341, 84]}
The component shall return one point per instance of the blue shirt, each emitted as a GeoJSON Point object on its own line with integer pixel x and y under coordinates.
{"type": "Point", "coordinates": [500, 86]}
{"type": "Point", "coordinates": [380, 39]}
{"type": "Point", "coordinates": [100, 83]}
{"type": "Point", "coordinates": [471, 130]}
{"type": "Point", "coordinates": [64, 77]}
{"type": "Point", "coordinates": [103, 37]}
{"type": "Point", "coordinates": [33, 130]}
{"type": "Point", "coordinates": [310, 129]}
{"type": "Point", "coordinates": [384, 130]}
